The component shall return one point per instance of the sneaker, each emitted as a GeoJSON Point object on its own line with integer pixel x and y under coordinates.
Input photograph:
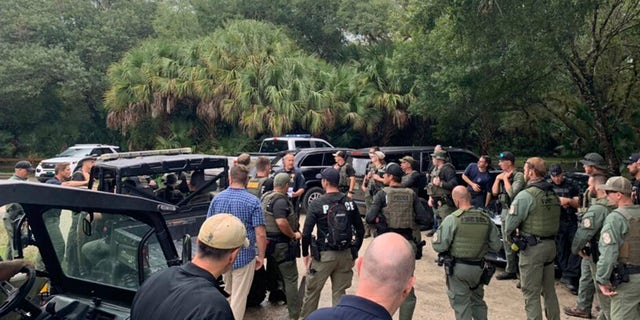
{"type": "Point", "coordinates": [506, 276]}
{"type": "Point", "coordinates": [575, 312]}
{"type": "Point", "coordinates": [430, 233]}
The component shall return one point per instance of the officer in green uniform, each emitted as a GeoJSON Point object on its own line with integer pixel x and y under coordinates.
{"type": "Point", "coordinates": [594, 165]}
{"type": "Point", "coordinates": [283, 240]}
{"type": "Point", "coordinates": [257, 185]}
{"type": "Point", "coordinates": [441, 184]}
{"type": "Point", "coordinates": [433, 173]}
{"type": "Point", "coordinates": [618, 270]}
{"type": "Point", "coordinates": [533, 221]}
{"type": "Point", "coordinates": [397, 209]}
{"type": "Point", "coordinates": [585, 243]}
{"type": "Point", "coordinates": [466, 235]}
{"type": "Point", "coordinates": [505, 187]}
{"type": "Point", "coordinates": [373, 181]}
{"type": "Point", "coordinates": [14, 211]}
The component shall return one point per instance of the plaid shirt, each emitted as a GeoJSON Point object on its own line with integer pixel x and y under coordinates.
{"type": "Point", "coordinates": [242, 204]}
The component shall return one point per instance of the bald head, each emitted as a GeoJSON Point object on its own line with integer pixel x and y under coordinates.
{"type": "Point", "coordinates": [461, 197]}
{"type": "Point", "coordinates": [388, 263]}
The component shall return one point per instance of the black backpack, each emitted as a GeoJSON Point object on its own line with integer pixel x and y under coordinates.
{"type": "Point", "coordinates": [340, 234]}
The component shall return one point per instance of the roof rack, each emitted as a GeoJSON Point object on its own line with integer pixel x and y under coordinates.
{"type": "Point", "coordinates": [145, 153]}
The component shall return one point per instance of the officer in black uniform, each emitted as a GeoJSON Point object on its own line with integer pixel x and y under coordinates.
{"type": "Point", "coordinates": [568, 194]}
{"type": "Point", "coordinates": [633, 165]}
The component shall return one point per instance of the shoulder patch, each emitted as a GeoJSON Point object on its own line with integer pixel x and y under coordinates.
{"type": "Point", "coordinates": [512, 209]}
{"type": "Point", "coordinates": [586, 222]}
{"type": "Point", "coordinates": [435, 238]}
{"type": "Point", "coordinates": [606, 237]}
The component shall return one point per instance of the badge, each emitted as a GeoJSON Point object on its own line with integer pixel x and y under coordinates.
{"type": "Point", "coordinates": [512, 209]}
{"type": "Point", "coordinates": [606, 238]}
{"type": "Point", "coordinates": [586, 223]}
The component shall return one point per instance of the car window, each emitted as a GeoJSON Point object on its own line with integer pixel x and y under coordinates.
{"type": "Point", "coordinates": [302, 144]}
{"type": "Point", "coordinates": [360, 165]}
{"type": "Point", "coordinates": [109, 252]}
{"type": "Point", "coordinates": [426, 162]}
{"type": "Point", "coordinates": [96, 151]}
{"type": "Point", "coordinates": [312, 160]}
{"type": "Point", "coordinates": [461, 159]}
{"type": "Point", "coordinates": [321, 144]}
{"type": "Point", "coordinates": [272, 146]}
{"type": "Point", "coordinates": [74, 152]}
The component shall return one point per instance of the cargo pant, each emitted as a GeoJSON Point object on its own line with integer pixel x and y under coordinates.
{"type": "Point", "coordinates": [335, 264]}
{"type": "Point", "coordinates": [626, 304]}
{"type": "Point", "coordinates": [289, 271]}
{"type": "Point", "coordinates": [586, 287]}
{"type": "Point", "coordinates": [605, 302]}
{"type": "Point", "coordinates": [510, 256]}
{"type": "Point", "coordinates": [537, 277]}
{"type": "Point", "coordinates": [466, 294]}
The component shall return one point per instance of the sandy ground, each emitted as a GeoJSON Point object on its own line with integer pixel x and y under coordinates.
{"type": "Point", "coordinates": [504, 300]}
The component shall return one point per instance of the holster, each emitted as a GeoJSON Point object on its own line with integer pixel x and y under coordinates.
{"type": "Point", "coordinates": [487, 273]}
{"type": "Point", "coordinates": [294, 250]}
{"type": "Point", "coordinates": [619, 275]}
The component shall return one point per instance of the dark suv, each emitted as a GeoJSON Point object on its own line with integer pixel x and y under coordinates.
{"type": "Point", "coordinates": [310, 161]}
{"type": "Point", "coordinates": [359, 159]}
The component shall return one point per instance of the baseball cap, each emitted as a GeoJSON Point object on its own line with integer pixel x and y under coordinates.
{"type": "Point", "coordinates": [394, 170]}
{"type": "Point", "coordinates": [340, 154]}
{"type": "Point", "coordinates": [170, 179]}
{"type": "Point", "coordinates": [593, 159]}
{"type": "Point", "coordinates": [409, 159]}
{"type": "Point", "coordinates": [223, 231]}
{"type": "Point", "coordinates": [555, 170]}
{"type": "Point", "coordinates": [25, 165]}
{"type": "Point", "coordinates": [442, 155]}
{"type": "Point", "coordinates": [633, 158]}
{"type": "Point", "coordinates": [506, 155]}
{"type": "Point", "coordinates": [617, 184]}
{"type": "Point", "coordinates": [330, 174]}
{"type": "Point", "coordinates": [281, 179]}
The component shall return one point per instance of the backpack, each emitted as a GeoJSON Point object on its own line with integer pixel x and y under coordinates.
{"type": "Point", "coordinates": [340, 230]}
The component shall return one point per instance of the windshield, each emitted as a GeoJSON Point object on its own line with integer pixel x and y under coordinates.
{"type": "Point", "coordinates": [273, 146]}
{"type": "Point", "coordinates": [75, 152]}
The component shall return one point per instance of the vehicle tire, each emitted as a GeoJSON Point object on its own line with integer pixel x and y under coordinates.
{"type": "Point", "coordinates": [311, 194]}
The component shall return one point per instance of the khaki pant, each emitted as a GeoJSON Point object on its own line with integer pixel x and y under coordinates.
{"type": "Point", "coordinates": [238, 283]}
{"type": "Point", "coordinates": [537, 278]}
{"type": "Point", "coordinates": [335, 264]}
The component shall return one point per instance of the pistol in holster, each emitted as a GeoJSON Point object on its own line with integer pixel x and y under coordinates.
{"type": "Point", "coordinates": [619, 275]}
{"type": "Point", "coordinates": [488, 269]}
{"type": "Point", "coordinates": [448, 262]}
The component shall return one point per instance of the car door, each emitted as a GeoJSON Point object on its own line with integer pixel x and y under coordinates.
{"type": "Point", "coordinates": [118, 240]}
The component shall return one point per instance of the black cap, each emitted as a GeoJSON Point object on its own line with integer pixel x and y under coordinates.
{"type": "Point", "coordinates": [555, 170]}
{"type": "Point", "coordinates": [394, 169]}
{"type": "Point", "coordinates": [506, 155]}
{"type": "Point", "coordinates": [25, 165]}
{"type": "Point", "coordinates": [330, 174]}
{"type": "Point", "coordinates": [633, 158]}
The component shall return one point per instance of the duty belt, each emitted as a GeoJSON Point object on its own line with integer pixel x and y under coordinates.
{"type": "Point", "coordinates": [632, 269]}
{"type": "Point", "coordinates": [471, 262]}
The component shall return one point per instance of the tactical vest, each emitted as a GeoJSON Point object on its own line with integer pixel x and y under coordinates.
{"type": "Point", "coordinates": [399, 209]}
{"type": "Point", "coordinates": [268, 199]}
{"type": "Point", "coordinates": [472, 232]}
{"type": "Point", "coordinates": [545, 218]}
{"type": "Point", "coordinates": [630, 248]}
{"type": "Point", "coordinates": [503, 195]}
{"type": "Point", "coordinates": [344, 178]}
{"type": "Point", "coordinates": [437, 191]}
{"type": "Point", "coordinates": [254, 186]}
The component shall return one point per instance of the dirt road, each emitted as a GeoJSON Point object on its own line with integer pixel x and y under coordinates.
{"type": "Point", "coordinates": [505, 301]}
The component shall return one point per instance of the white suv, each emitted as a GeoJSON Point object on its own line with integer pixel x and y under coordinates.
{"type": "Point", "coordinates": [74, 155]}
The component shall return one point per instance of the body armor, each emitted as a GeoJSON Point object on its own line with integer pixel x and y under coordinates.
{"type": "Point", "coordinates": [399, 209]}
{"type": "Point", "coordinates": [473, 228]}
{"type": "Point", "coordinates": [630, 249]}
{"type": "Point", "coordinates": [268, 200]}
{"type": "Point", "coordinates": [254, 186]}
{"type": "Point", "coordinates": [545, 218]}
